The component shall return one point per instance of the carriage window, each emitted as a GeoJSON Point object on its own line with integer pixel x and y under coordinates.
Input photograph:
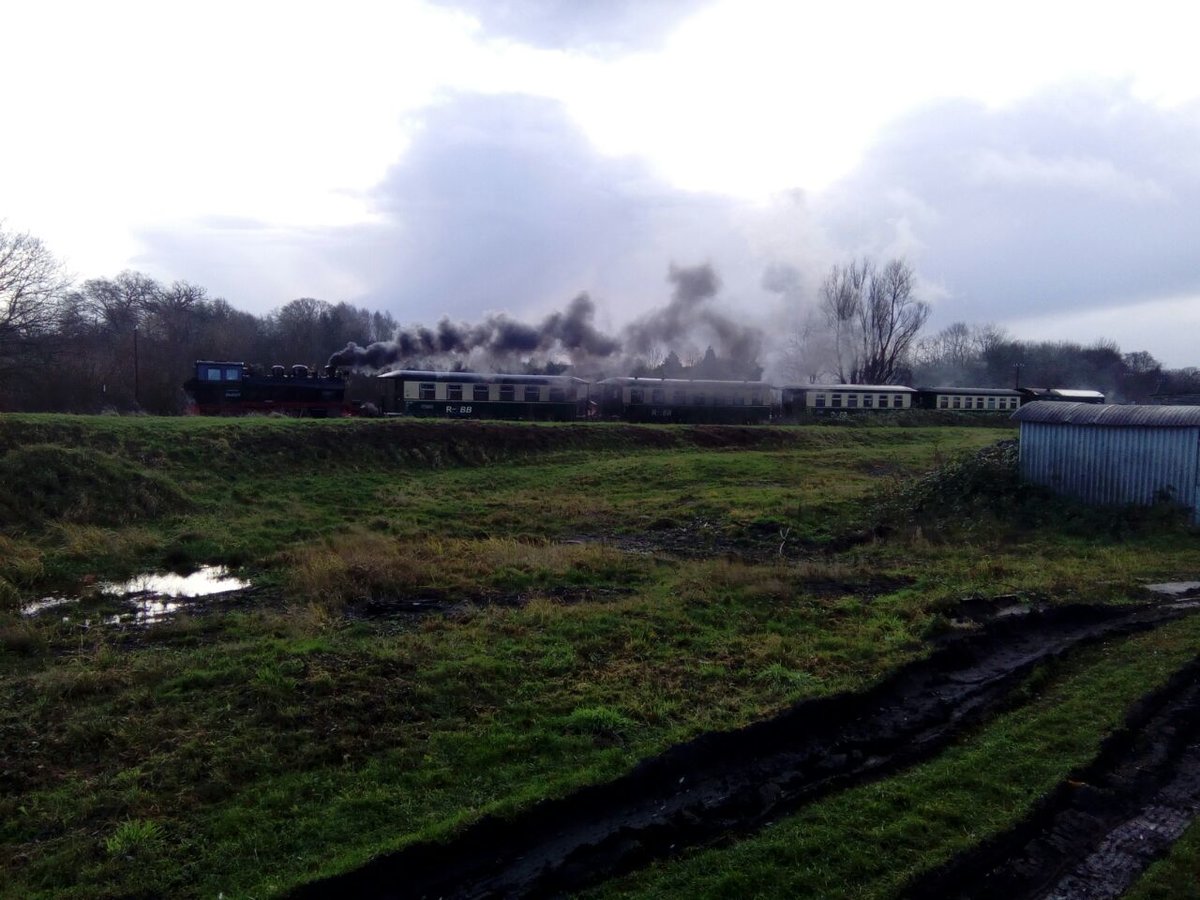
{"type": "Point", "coordinates": [658, 395]}
{"type": "Point", "coordinates": [697, 399]}
{"type": "Point", "coordinates": [679, 398]}
{"type": "Point", "coordinates": [868, 401]}
{"type": "Point", "coordinates": [897, 401]}
{"type": "Point", "coordinates": [956, 404]}
{"type": "Point", "coordinates": [754, 399]}
{"type": "Point", "coordinates": [558, 395]}
{"type": "Point", "coordinates": [943, 403]}
{"type": "Point", "coordinates": [636, 395]}
{"type": "Point", "coordinates": [979, 403]}
{"type": "Point", "coordinates": [508, 393]}
{"type": "Point", "coordinates": [819, 400]}
{"type": "Point", "coordinates": [837, 401]}
{"type": "Point", "coordinates": [480, 392]}
{"type": "Point", "coordinates": [426, 391]}
{"type": "Point", "coordinates": [212, 374]}
{"type": "Point", "coordinates": [232, 374]}
{"type": "Point", "coordinates": [991, 402]}
{"type": "Point", "coordinates": [533, 393]}
{"type": "Point", "coordinates": [851, 401]}
{"type": "Point", "coordinates": [739, 399]}
{"type": "Point", "coordinates": [454, 392]}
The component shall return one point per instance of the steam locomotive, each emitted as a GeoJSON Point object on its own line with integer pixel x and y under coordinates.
{"type": "Point", "coordinates": [235, 389]}
{"type": "Point", "coordinates": [232, 388]}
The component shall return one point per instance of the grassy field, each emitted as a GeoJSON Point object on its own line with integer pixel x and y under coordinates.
{"type": "Point", "coordinates": [592, 595]}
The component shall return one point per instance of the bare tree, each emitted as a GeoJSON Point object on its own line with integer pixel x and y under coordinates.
{"type": "Point", "coordinates": [889, 322]}
{"type": "Point", "coordinates": [31, 283]}
{"type": "Point", "coordinates": [873, 317]}
{"type": "Point", "coordinates": [987, 337]}
{"type": "Point", "coordinates": [841, 302]}
{"type": "Point", "coordinates": [117, 304]}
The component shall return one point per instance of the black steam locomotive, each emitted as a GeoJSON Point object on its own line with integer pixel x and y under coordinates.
{"type": "Point", "coordinates": [235, 389]}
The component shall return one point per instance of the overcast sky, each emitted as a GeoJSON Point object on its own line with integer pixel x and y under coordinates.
{"type": "Point", "coordinates": [1037, 163]}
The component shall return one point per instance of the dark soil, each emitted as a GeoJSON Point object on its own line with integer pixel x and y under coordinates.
{"type": "Point", "coordinates": [730, 783]}
{"type": "Point", "coordinates": [1096, 832]}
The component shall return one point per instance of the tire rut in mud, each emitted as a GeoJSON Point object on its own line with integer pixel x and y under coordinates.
{"type": "Point", "coordinates": [1095, 833]}
{"type": "Point", "coordinates": [728, 783]}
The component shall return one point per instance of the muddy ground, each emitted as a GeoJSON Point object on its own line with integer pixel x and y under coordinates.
{"type": "Point", "coordinates": [731, 783]}
{"type": "Point", "coordinates": [1096, 832]}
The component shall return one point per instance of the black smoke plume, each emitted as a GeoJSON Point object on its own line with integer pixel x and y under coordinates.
{"type": "Point", "coordinates": [571, 331]}
{"type": "Point", "coordinates": [690, 316]}
{"type": "Point", "coordinates": [689, 319]}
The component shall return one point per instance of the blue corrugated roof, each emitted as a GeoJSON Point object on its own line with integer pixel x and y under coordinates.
{"type": "Point", "coordinates": [1052, 412]}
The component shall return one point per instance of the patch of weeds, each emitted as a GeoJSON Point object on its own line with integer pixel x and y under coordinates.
{"type": "Point", "coordinates": [20, 563]}
{"type": "Point", "coordinates": [779, 675]}
{"type": "Point", "coordinates": [134, 837]}
{"type": "Point", "coordinates": [559, 658]}
{"type": "Point", "coordinates": [91, 542]}
{"type": "Point", "coordinates": [598, 720]}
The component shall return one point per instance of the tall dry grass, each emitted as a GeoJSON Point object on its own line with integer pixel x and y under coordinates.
{"type": "Point", "coordinates": [360, 565]}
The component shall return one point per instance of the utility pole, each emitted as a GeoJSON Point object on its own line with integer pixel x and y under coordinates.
{"type": "Point", "coordinates": [1017, 376]}
{"type": "Point", "coordinates": [137, 394]}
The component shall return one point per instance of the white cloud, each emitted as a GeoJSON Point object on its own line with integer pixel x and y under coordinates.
{"type": "Point", "coordinates": [143, 112]}
{"type": "Point", "coordinates": [1101, 176]}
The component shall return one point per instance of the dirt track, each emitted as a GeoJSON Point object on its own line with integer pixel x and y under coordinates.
{"type": "Point", "coordinates": [1095, 834]}
{"type": "Point", "coordinates": [733, 782]}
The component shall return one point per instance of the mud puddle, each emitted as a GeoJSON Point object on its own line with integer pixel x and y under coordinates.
{"type": "Point", "coordinates": [729, 783]}
{"type": "Point", "coordinates": [1094, 835]}
{"type": "Point", "coordinates": [142, 600]}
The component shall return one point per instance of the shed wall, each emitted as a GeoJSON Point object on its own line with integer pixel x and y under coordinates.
{"type": "Point", "coordinates": [1113, 466]}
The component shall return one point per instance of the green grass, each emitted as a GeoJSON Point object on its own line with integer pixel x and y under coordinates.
{"type": "Point", "coordinates": [603, 616]}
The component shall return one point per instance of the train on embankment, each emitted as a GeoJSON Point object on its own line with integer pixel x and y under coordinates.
{"type": "Point", "coordinates": [233, 388]}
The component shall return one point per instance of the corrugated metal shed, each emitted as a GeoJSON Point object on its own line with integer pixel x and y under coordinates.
{"type": "Point", "coordinates": [1113, 455]}
{"type": "Point", "coordinates": [1050, 412]}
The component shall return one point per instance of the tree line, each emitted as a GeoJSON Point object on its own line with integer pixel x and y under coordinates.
{"type": "Point", "coordinates": [128, 342]}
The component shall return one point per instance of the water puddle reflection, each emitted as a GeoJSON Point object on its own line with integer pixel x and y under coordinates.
{"type": "Point", "coordinates": [150, 597]}
{"type": "Point", "coordinates": [203, 582]}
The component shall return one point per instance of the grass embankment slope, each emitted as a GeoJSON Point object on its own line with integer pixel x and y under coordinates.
{"type": "Point", "coordinates": [600, 592]}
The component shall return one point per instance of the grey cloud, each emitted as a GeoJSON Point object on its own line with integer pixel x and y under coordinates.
{"type": "Point", "coordinates": [1073, 200]}
{"type": "Point", "coordinates": [499, 205]}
